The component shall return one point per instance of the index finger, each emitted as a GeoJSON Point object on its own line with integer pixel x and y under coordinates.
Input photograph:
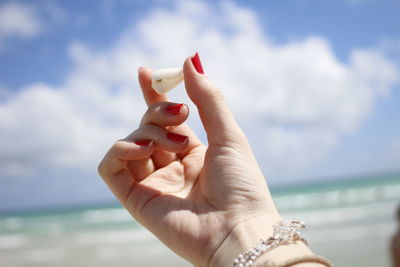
{"type": "Point", "coordinates": [150, 96]}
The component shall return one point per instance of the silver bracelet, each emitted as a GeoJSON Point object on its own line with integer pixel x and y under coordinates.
{"type": "Point", "coordinates": [285, 232]}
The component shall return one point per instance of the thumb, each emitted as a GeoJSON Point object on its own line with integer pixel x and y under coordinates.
{"type": "Point", "coordinates": [215, 115]}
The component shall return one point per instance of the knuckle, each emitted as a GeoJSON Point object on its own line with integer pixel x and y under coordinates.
{"type": "Point", "coordinates": [121, 150]}
{"type": "Point", "coordinates": [124, 153]}
{"type": "Point", "coordinates": [216, 94]}
{"type": "Point", "coordinates": [156, 106]}
{"type": "Point", "coordinates": [100, 169]}
{"type": "Point", "coordinates": [151, 112]}
{"type": "Point", "coordinates": [148, 129]}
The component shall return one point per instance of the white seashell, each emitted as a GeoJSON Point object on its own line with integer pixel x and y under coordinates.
{"type": "Point", "coordinates": [164, 80]}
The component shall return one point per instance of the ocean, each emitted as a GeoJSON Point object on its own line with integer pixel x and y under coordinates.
{"type": "Point", "coordinates": [349, 221]}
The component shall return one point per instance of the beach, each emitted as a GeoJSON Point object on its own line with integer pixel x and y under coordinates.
{"type": "Point", "coordinates": [348, 221]}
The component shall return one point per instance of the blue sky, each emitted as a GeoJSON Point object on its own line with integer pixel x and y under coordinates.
{"type": "Point", "coordinates": [315, 85]}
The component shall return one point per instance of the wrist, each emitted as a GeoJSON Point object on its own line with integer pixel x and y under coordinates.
{"type": "Point", "coordinates": [247, 234]}
{"type": "Point", "coordinates": [287, 252]}
{"type": "Point", "coordinates": [243, 236]}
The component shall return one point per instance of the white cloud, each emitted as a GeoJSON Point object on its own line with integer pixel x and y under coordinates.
{"type": "Point", "coordinates": [18, 20]}
{"type": "Point", "coordinates": [294, 100]}
{"type": "Point", "coordinates": [391, 46]}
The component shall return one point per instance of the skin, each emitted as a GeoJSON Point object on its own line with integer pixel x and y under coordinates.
{"type": "Point", "coordinates": [206, 203]}
{"type": "Point", "coordinates": [395, 245]}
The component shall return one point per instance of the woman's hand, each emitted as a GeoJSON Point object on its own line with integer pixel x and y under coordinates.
{"type": "Point", "coordinates": [205, 203]}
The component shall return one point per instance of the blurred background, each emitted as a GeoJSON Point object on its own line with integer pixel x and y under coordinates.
{"type": "Point", "coordinates": [314, 84]}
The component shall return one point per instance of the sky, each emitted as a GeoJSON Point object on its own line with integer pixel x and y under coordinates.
{"type": "Point", "coordinates": [314, 85]}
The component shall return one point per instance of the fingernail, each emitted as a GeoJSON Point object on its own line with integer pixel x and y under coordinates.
{"type": "Point", "coordinates": [197, 63]}
{"type": "Point", "coordinates": [174, 109]}
{"type": "Point", "coordinates": [177, 138]}
{"type": "Point", "coordinates": [144, 142]}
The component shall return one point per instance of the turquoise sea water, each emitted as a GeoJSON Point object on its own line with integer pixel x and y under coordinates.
{"type": "Point", "coordinates": [349, 221]}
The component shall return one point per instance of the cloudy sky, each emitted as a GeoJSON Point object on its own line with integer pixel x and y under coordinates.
{"type": "Point", "coordinates": [314, 84]}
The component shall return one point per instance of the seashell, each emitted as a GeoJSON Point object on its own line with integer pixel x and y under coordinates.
{"type": "Point", "coordinates": [164, 80]}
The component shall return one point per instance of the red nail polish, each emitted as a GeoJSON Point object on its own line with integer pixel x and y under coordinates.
{"type": "Point", "coordinates": [144, 142]}
{"type": "Point", "coordinates": [177, 138]}
{"type": "Point", "coordinates": [197, 63]}
{"type": "Point", "coordinates": [174, 109]}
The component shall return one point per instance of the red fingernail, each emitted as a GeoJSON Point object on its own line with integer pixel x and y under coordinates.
{"type": "Point", "coordinates": [197, 63]}
{"type": "Point", "coordinates": [177, 138]}
{"type": "Point", "coordinates": [174, 109]}
{"type": "Point", "coordinates": [144, 142]}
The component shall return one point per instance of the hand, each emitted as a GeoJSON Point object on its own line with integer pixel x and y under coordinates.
{"type": "Point", "coordinates": [196, 199]}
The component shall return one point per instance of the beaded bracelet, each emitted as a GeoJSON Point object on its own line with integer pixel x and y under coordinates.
{"type": "Point", "coordinates": [285, 232]}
